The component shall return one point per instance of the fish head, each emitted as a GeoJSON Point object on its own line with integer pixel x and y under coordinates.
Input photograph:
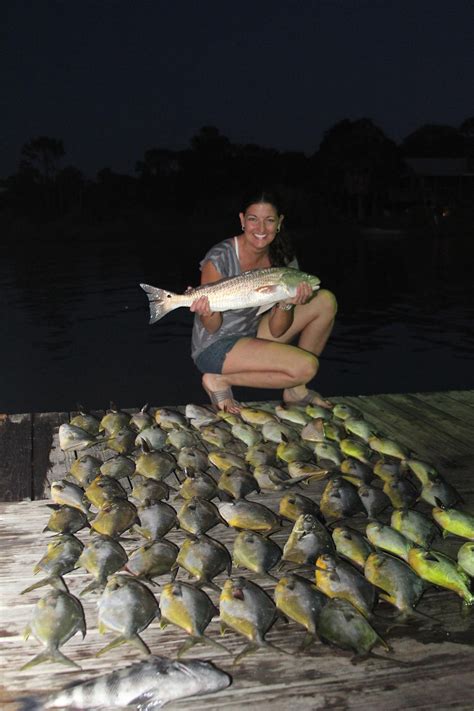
{"type": "Point", "coordinates": [292, 277]}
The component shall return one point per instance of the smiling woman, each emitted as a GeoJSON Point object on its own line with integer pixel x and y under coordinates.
{"type": "Point", "coordinates": [243, 348]}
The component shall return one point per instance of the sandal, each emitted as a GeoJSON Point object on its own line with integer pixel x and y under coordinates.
{"type": "Point", "coordinates": [309, 399]}
{"type": "Point", "coordinates": [217, 397]}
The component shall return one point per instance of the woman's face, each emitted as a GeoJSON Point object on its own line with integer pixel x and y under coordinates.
{"type": "Point", "coordinates": [260, 224]}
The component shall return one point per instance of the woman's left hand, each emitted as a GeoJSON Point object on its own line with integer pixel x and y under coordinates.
{"type": "Point", "coordinates": [303, 294]}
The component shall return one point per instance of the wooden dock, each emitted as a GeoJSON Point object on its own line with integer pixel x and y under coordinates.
{"type": "Point", "coordinates": [428, 667]}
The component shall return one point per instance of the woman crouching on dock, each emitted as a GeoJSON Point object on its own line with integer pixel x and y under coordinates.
{"type": "Point", "coordinates": [244, 349]}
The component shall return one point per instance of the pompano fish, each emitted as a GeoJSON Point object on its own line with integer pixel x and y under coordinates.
{"type": "Point", "coordinates": [65, 519]}
{"type": "Point", "coordinates": [401, 586]}
{"type": "Point", "coordinates": [466, 558]}
{"type": "Point", "coordinates": [400, 491]}
{"type": "Point", "coordinates": [151, 560]}
{"type": "Point", "coordinates": [343, 411]}
{"type": "Point", "coordinates": [153, 435]}
{"type": "Point", "coordinates": [388, 539]}
{"type": "Point", "coordinates": [260, 288]}
{"type": "Point", "coordinates": [355, 469]}
{"type": "Point", "coordinates": [60, 558]}
{"type": "Point", "coordinates": [126, 607]}
{"type": "Point", "coordinates": [414, 525]}
{"type": "Point", "coordinates": [255, 552]}
{"type": "Point", "coordinates": [146, 685]}
{"type": "Point", "coordinates": [123, 441]}
{"type": "Point", "coordinates": [118, 467]}
{"type": "Point", "coordinates": [169, 419]}
{"type": "Point", "coordinates": [249, 515]}
{"type": "Point", "coordinates": [339, 499]}
{"type": "Point", "coordinates": [336, 578]}
{"type": "Point", "coordinates": [198, 483]}
{"type": "Point", "coordinates": [388, 447]}
{"type": "Point", "coordinates": [150, 489]}
{"type": "Point", "coordinates": [237, 483]}
{"type": "Point", "coordinates": [225, 460]}
{"type": "Point", "coordinates": [277, 432]}
{"type": "Point", "coordinates": [103, 489]}
{"type": "Point", "coordinates": [373, 500]}
{"type": "Point", "coordinates": [352, 545]}
{"type": "Point", "coordinates": [313, 431]}
{"type": "Point", "coordinates": [262, 453]}
{"type": "Point", "coordinates": [341, 625]}
{"type": "Point", "coordinates": [300, 600]}
{"type": "Point", "coordinates": [86, 422]}
{"type": "Point", "coordinates": [114, 420]}
{"type": "Point", "coordinates": [85, 469]}
{"type": "Point", "coordinates": [423, 471]}
{"type": "Point", "coordinates": [156, 519]}
{"type": "Point", "coordinates": [115, 517]}
{"type": "Point", "coordinates": [360, 428]}
{"type": "Point", "coordinates": [459, 523]}
{"type": "Point", "coordinates": [437, 491]}
{"type": "Point", "coordinates": [307, 540]}
{"type": "Point", "coordinates": [292, 505]}
{"type": "Point", "coordinates": [246, 608]}
{"type": "Point", "coordinates": [142, 419]}
{"type": "Point", "coordinates": [196, 516]}
{"type": "Point", "coordinates": [191, 457]}
{"type": "Point", "coordinates": [355, 448]}
{"type": "Point", "coordinates": [72, 437]}
{"type": "Point", "coordinates": [439, 569]}
{"type": "Point", "coordinates": [56, 618]}
{"type": "Point", "coordinates": [246, 433]}
{"type": "Point", "coordinates": [204, 558]}
{"type": "Point", "coordinates": [292, 414]}
{"type": "Point", "coordinates": [155, 465]}
{"type": "Point", "coordinates": [256, 416]}
{"type": "Point", "coordinates": [190, 609]}
{"type": "Point", "coordinates": [101, 557]}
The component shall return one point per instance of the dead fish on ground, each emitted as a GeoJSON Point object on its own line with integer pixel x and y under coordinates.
{"type": "Point", "coordinates": [103, 489]}
{"type": "Point", "coordinates": [293, 452]}
{"type": "Point", "coordinates": [101, 557]}
{"type": "Point", "coordinates": [256, 416]}
{"type": "Point", "coordinates": [401, 586]}
{"type": "Point", "coordinates": [114, 420]}
{"type": "Point", "coordinates": [118, 467]}
{"type": "Point", "coordinates": [373, 500]}
{"type": "Point", "coordinates": [423, 471]}
{"type": "Point", "coordinates": [359, 427]}
{"type": "Point", "coordinates": [246, 433]}
{"type": "Point", "coordinates": [313, 431]}
{"type": "Point", "coordinates": [169, 419]}
{"type": "Point", "coordinates": [145, 685]}
{"type": "Point", "coordinates": [440, 569]}
{"type": "Point", "coordinates": [339, 499]}
{"type": "Point", "coordinates": [190, 609]}
{"type": "Point", "coordinates": [69, 494]}
{"type": "Point", "coordinates": [179, 438]}
{"type": "Point", "coordinates": [466, 558]}
{"type": "Point", "coordinates": [156, 519]}
{"type": "Point", "coordinates": [277, 432]}
{"type": "Point", "coordinates": [400, 491]}
{"type": "Point", "coordinates": [328, 452]}
{"type": "Point", "coordinates": [262, 453]}
{"type": "Point", "coordinates": [72, 437]}
{"type": "Point", "coordinates": [197, 483]}
{"type": "Point", "coordinates": [292, 505]}
{"type": "Point", "coordinates": [85, 469]}
{"type": "Point", "coordinates": [141, 420]}
{"type": "Point", "coordinates": [356, 449]}
{"type": "Point", "coordinates": [274, 479]}
{"type": "Point", "coordinates": [246, 608]}
{"type": "Point", "coordinates": [150, 489]}
{"type": "Point", "coordinates": [308, 539]}
{"type": "Point", "coordinates": [388, 539]}
{"type": "Point", "coordinates": [249, 515]}
{"type": "Point", "coordinates": [199, 415]}
{"type": "Point", "coordinates": [260, 288]}
{"type": "Point", "coordinates": [341, 625]}
{"type": "Point", "coordinates": [388, 447]}
{"type": "Point", "coordinates": [224, 460]}
{"type": "Point", "coordinates": [192, 458]}
{"type": "Point", "coordinates": [415, 526]}
{"type": "Point", "coordinates": [57, 617]}
{"type": "Point", "coordinates": [337, 578]}
{"type": "Point", "coordinates": [295, 415]}
{"type": "Point", "coordinates": [343, 412]}
{"type": "Point", "coordinates": [237, 483]}
{"type": "Point", "coordinates": [60, 558]}
{"type": "Point", "coordinates": [115, 517]}
{"type": "Point", "coordinates": [437, 491]}
{"type": "Point", "coordinates": [196, 516]}
{"type": "Point", "coordinates": [65, 519]}
{"type": "Point", "coordinates": [123, 441]}
{"type": "Point", "coordinates": [216, 435]}
{"type": "Point", "coordinates": [306, 470]}
{"type": "Point", "coordinates": [301, 601]}
{"type": "Point", "coordinates": [151, 560]}
{"type": "Point", "coordinates": [153, 435]}
{"type": "Point", "coordinates": [154, 465]}
{"type": "Point", "coordinates": [126, 607]}
{"type": "Point", "coordinates": [459, 523]}
{"type": "Point", "coordinates": [255, 552]}
{"type": "Point", "coordinates": [352, 545]}
{"type": "Point", "coordinates": [86, 422]}
{"type": "Point", "coordinates": [204, 558]}
{"type": "Point", "coordinates": [355, 471]}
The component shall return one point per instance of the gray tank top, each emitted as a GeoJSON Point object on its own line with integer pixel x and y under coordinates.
{"type": "Point", "coordinates": [238, 322]}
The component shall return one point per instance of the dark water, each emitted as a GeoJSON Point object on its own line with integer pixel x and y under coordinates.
{"type": "Point", "coordinates": [75, 322]}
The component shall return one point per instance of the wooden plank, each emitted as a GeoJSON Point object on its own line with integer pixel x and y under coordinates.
{"type": "Point", "coordinates": [464, 396]}
{"type": "Point", "coordinates": [456, 409]}
{"type": "Point", "coordinates": [15, 457]}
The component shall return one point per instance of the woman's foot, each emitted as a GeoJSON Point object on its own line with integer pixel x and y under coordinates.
{"type": "Point", "coordinates": [301, 395]}
{"type": "Point", "coordinates": [220, 393]}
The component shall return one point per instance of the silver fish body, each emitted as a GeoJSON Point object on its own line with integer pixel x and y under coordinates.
{"type": "Point", "coordinates": [257, 288]}
{"type": "Point", "coordinates": [145, 685]}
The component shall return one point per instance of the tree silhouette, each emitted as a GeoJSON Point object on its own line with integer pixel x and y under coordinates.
{"type": "Point", "coordinates": [434, 141]}
{"type": "Point", "coordinates": [42, 156]}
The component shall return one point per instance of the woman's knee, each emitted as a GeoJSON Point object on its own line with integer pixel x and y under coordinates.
{"type": "Point", "coordinates": [305, 367]}
{"type": "Point", "coordinates": [327, 303]}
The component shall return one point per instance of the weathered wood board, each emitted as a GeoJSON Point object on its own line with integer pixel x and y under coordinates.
{"type": "Point", "coordinates": [428, 667]}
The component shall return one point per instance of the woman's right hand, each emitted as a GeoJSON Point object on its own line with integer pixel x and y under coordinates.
{"type": "Point", "coordinates": [201, 306]}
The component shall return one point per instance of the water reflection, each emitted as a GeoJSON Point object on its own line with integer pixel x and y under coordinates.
{"type": "Point", "coordinates": [76, 322]}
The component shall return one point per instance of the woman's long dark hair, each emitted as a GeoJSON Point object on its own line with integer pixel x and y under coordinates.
{"type": "Point", "coordinates": [281, 251]}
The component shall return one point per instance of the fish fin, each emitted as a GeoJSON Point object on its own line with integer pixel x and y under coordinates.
{"type": "Point", "coordinates": [89, 588]}
{"type": "Point", "coordinates": [187, 644]}
{"type": "Point", "coordinates": [248, 649]}
{"type": "Point", "coordinates": [114, 643]}
{"type": "Point", "coordinates": [308, 640]}
{"type": "Point", "coordinates": [264, 308]}
{"type": "Point", "coordinates": [55, 580]}
{"type": "Point", "coordinates": [214, 643]}
{"type": "Point", "coordinates": [146, 701]}
{"type": "Point", "coordinates": [50, 656]}
{"type": "Point", "coordinates": [159, 301]}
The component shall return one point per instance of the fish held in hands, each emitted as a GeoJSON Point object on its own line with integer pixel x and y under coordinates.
{"type": "Point", "coordinates": [256, 288]}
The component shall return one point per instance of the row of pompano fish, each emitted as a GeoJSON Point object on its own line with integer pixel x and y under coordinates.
{"type": "Point", "coordinates": [256, 451]}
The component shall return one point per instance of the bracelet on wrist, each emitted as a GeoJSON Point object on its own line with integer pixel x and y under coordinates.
{"type": "Point", "coordinates": [285, 307]}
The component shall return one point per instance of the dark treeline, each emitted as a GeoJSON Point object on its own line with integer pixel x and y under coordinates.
{"type": "Point", "coordinates": [357, 175]}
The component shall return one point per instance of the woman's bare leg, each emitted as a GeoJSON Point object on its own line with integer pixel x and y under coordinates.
{"type": "Point", "coordinates": [312, 326]}
{"type": "Point", "coordinates": [259, 363]}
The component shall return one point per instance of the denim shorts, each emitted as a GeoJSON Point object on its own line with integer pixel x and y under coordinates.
{"type": "Point", "coordinates": [211, 359]}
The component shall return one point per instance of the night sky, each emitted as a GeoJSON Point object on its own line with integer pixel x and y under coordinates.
{"type": "Point", "coordinates": [113, 78]}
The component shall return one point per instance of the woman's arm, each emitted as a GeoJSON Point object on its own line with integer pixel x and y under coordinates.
{"type": "Point", "coordinates": [211, 320]}
{"type": "Point", "coordinates": [281, 317]}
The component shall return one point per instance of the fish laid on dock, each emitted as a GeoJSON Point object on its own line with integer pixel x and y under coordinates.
{"type": "Point", "coordinates": [144, 686]}
{"type": "Point", "coordinates": [256, 288]}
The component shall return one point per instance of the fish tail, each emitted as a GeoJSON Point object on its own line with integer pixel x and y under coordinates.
{"type": "Point", "coordinates": [160, 301]}
{"type": "Point", "coordinates": [50, 656]}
